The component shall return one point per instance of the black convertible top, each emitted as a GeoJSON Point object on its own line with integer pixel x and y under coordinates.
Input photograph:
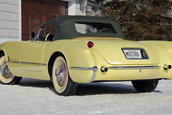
{"type": "Point", "coordinates": [65, 27]}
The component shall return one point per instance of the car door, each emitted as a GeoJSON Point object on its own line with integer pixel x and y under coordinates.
{"type": "Point", "coordinates": [31, 58]}
{"type": "Point", "coordinates": [32, 52]}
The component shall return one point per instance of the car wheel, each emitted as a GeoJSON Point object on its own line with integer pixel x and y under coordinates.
{"type": "Point", "coordinates": [145, 85]}
{"type": "Point", "coordinates": [61, 78]}
{"type": "Point", "coordinates": [6, 77]}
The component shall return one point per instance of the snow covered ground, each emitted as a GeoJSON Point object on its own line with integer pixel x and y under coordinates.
{"type": "Point", "coordinates": [35, 97]}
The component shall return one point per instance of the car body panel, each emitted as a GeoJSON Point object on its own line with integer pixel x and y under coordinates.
{"type": "Point", "coordinates": [82, 56]}
{"type": "Point", "coordinates": [31, 59]}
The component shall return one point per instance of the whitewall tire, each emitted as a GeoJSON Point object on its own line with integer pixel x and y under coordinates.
{"type": "Point", "coordinates": [6, 77]}
{"type": "Point", "coordinates": [61, 79]}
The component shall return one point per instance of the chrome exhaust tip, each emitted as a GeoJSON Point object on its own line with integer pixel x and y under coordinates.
{"type": "Point", "coordinates": [166, 67]}
{"type": "Point", "coordinates": [103, 69]}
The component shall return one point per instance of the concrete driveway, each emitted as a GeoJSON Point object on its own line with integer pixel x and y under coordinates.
{"type": "Point", "coordinates": [36, 97]}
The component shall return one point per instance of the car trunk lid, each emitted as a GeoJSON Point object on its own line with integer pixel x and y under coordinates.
{"type": "Point", "coordinates": [112, 50]}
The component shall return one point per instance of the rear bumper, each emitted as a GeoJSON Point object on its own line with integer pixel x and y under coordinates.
{"type": "Point", "coordinates": [94, 69]}
{"type": "Point", "coordinates": [135, 67]}
{"type": "Point", "coordinates": [117, 73]}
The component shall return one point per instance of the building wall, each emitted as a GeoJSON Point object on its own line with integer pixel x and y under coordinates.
{"type": "Point", "coordinates": [74, 8]}
{"type": "Point", "coordinates": [9, 20]}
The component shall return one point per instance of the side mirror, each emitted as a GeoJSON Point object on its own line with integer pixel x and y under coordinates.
{"type": "Point", "coordinates": [33, 34]}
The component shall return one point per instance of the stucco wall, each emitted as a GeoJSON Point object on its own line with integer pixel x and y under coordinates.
{"type": "Point", "coordinates": [9, 20]}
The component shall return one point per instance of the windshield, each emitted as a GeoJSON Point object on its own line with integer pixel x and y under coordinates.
{"type": "Point", "coordinates": [45, 34]}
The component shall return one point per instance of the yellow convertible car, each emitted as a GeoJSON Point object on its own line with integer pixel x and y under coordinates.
{"type": "Point", "coordinates": [79, 49]}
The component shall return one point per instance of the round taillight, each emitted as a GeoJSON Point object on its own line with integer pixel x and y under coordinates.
{"type": "Point", "coordinates": [90, 44]}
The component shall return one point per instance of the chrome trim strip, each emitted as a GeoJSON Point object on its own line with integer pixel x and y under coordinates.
{"type": "Point", "coordinates": [85, 68]}
{"type": "Point", "coordinates": [94, 69]}
{"type": "Point", "coordinates": [26, 63]}
{"type": "Point", "coordinates": [134, 67]}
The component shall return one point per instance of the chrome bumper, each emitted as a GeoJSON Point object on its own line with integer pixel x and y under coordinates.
{"type": "Point", "coordinates": [94, 69]}
{"type": "Point", "coordinates": [134, 67]}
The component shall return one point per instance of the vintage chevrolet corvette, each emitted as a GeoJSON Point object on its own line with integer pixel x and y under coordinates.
{"type": "Point", "coordinates": [79, 49]}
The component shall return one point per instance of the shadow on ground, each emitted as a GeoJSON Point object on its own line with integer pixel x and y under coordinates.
{"type": "Point", "coordinates": [35, 83]}
{"type": "Point", "coordinates": [86, 89]}
{"type": "Point", "coordinates": [104, 88]}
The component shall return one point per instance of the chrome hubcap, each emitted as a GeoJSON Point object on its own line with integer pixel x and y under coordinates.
{"type": "Point", "coordinates": [61, 74]}
{"type": "Point", "coordinates": [5, 71]}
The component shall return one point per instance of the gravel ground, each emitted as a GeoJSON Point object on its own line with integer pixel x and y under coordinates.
{"type": "Point", "coordinates": [36, 97]}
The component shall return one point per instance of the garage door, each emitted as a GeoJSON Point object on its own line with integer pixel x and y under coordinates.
{"type": "Point", "coordinates": [35, 12]}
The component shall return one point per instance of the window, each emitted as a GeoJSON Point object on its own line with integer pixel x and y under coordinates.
{"type": "Point", "coordinates": [91, 27]}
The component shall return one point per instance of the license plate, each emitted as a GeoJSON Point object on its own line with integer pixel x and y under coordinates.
{"type": "Point", "coordinates": [132, 53]}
